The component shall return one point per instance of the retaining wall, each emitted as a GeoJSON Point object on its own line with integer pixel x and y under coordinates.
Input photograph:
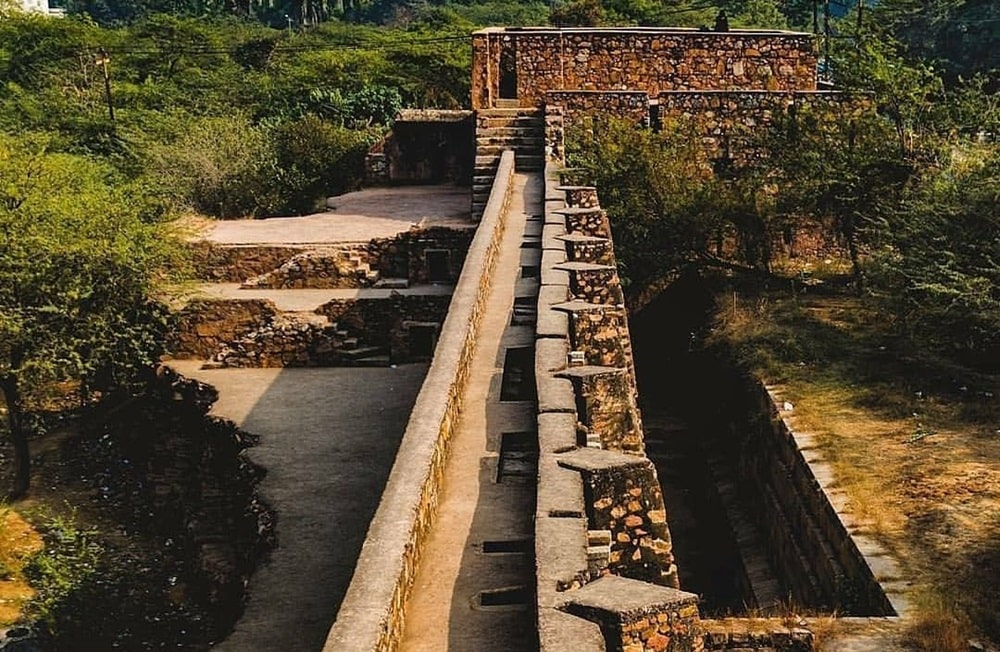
{"type": "Point", "coordinates": [344, 265]}
{"type": "Point", "coordinates": [372, 614]}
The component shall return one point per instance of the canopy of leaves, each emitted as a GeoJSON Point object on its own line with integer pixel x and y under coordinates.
{"type": "Point", "coordinates": [78, 265]}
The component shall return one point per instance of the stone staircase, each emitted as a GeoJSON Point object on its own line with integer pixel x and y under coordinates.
{"type": "Point", "coordinates": [519, 129]}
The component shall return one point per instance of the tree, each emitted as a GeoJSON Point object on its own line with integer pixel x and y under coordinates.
{"type": "Point", "coordinates": [77, 269]}
{"type": "Point", "coordinates": [838, 167]}
{"type": "Point", "coordinates": [938, 267]}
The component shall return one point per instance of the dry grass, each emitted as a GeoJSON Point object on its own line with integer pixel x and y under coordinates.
{"type": "Point", "coordinates": [913, 441]}
{"type": "Point", "coordinates": [18, 543]}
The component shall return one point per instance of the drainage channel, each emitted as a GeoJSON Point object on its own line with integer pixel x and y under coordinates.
{"type": "Point", "coordinates": [751, 532]}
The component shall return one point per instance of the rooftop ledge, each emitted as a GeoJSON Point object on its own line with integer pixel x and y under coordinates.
{"type": "Point", "coordinates": [643, 30]}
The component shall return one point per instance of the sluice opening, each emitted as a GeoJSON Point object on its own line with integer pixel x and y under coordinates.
{"type": "Point", "coordinates": [752, 531]}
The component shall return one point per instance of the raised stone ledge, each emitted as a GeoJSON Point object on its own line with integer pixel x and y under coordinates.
{"type": "Point", "coordinates": [639, 617]}
{"type": "Point", "coordinates": [551, 322]}
{"type": "Point", "coordinates": [371, 616]}
{"type": "Point", "coordinates": [590, 371]}
{"type": "Point", "coordinates": [576, 305]}
{"type": "Point", "coordinates": [552, 236]}
{"type": "Point", "coordinates": [593, 460]}
{"type": "Point", "coordinates": [555, 393]}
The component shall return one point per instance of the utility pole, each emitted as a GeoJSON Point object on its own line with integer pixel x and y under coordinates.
{"type": "Point", "coordinates": [103, 62]}
{"type": "Point", "coordinates": [826, 33]}
{"type": "Point", "coordinates": [815, 17]}
{"type": "Point", "coordinates": [861, 11]}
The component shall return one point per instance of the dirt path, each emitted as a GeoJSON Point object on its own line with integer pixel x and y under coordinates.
{"type": "Point", "coordinates": [328, 437]}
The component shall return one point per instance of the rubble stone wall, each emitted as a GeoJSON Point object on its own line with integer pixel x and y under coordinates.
{"type": "Point", "coordinates": [206, 325]}
{"type": "Point", "coordinates": [346, 265]}
{"type": "Point", "coordinates": [629, 105]}
{"type": "Point", "coordinates": [639, 59]}
{"type": "Point", "coordinates": [600, 523]}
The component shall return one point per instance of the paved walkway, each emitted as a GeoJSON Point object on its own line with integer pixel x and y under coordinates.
{"type": "Point", "coordinates": [354, 217]}
{"type": "Point", "coordinates": [476, 511]}
{"type": "Point", "coordinates": [310, 299]}
{"type": "Point", "coordinates": [328, 438]}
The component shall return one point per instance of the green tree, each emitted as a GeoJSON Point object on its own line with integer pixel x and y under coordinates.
{"type": "Point", "coordinates": [938, 268]}
{"type": "Point", "coordinates": [653, 187]}
{"type": "Point", "coordinates": [77, 269]}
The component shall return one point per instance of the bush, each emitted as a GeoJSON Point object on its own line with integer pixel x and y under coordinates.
{"type": "Point", "coordinates": [316, 158]}
{"type": "Point", "coordinates": [219, 166]}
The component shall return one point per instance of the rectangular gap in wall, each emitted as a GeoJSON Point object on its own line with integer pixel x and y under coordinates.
{"type": "Point", "coordinates": [531, 244]}
{"type": "Point", "coordinates": [505, 597]}
{"type": "Point", "coordinates": [521, 546]}
{"type": "Point", "coordinates": [535, 218]}
{"type": "Point", "coordinates": [524, 312]}
{"type": "Point", "coordinates": [518, 456]}
{"type": "Point", "coordinates": [531, 271]}
{"type": "Point", "coordinates": [518, 381]}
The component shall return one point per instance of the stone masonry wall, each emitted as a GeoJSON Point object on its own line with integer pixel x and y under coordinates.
{"type": "Point", "coordinates": [206, 325]}
{"type": "Point", "coordinates": [734, 115]}
{"type": "Point", "coordinates": [629, 105]}
{"type": "Point", "coordinates": [602, 545]}
{"type": "Point", "coordinates": [346, 265]}
{"type": "Point", "coordinates": [649, 60]}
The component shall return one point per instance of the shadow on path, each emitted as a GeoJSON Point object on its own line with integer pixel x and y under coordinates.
{"type": "Point", "coordinates": [328, 438]}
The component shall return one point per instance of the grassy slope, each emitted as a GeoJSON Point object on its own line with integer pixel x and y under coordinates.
{"type": "Point", "coordinates": [913, 440]}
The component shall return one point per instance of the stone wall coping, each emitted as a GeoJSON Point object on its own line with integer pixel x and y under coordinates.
{"type": "Point", "coordinates": [549, 322]}
{"type": "Point", "coordinates": [555, 394]}
{"type": "Point", "coordinates": [580, 266]}
{"type": "Point", "coordinates": [559, 492]}
{"type": "Point", "coordinates": [434, 115]}
{"type": "Point", "coordinates": [370, 607]}
{"type": "Point", "coordinates": [578, 305]}
{"type": "Point", "coordinates": [556, 432]}
{"type": "Point", "coordinates": [562, 632]}
{"type": "Point", "coordinates": [590, 370]}
{"type": "Point", "coordinates": [598, 459]}
{"type": "Point", "coordinates": [596, 92]}
{"type": "Point", "coordinates": [621, 595]}
{"type": "Point", "coordinates": [578, 210]}
{"type": "Point", "coordinates": [752, 91]}
{"type": "Point", "coordinates": [579, 238]}
{"type": "Point", "coordinates": [553, 234]}
{"type": "Point", "coordinates": [639, 30]}
{"type": "Point", "coordinates": [553, 276]}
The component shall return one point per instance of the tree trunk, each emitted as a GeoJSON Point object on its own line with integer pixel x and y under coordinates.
{"type": "Point", "coordinates": [18, 436]}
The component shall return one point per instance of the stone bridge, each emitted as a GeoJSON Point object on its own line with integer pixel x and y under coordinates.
{"type": "Point", "coordinates": [523, 510]}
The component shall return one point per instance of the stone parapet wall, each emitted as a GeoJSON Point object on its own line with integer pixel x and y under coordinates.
{"type": "Point", "coordinates": [602, 545]}
{"type": "Point", "coordinates": [725, 119]}
{"type": "Point", "coordinates": [628, 105]}
{"type": "Point", "coordinates": [371, 617]}
{"type": "Point", "coordinates": [525, 64]}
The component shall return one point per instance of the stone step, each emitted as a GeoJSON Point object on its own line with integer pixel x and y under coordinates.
{"type": "Point", "coordinates": [521, 122]}
{"type": "Point", "coordinates": [363, 352]}
{"type": "Point", "coordinates": [526, 139]}
{"type": "Point", "coordinates": [486, 150]}
{"type": "Point", "coordinates": [486, 162]}
{"type": "Point", "coordinates": [380, 360]}
{"type": "Point", "coordinates": [529, 163]}
{"type": "Point", "coordinates": [509, 111]}
{"type": "Point", "coordinates": [507, 132]}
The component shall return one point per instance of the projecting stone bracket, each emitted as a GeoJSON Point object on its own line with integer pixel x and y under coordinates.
{"type": "Point", "coordinates": [636, 616]}
{"type": "Point", "coordinates": [622, 495]}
